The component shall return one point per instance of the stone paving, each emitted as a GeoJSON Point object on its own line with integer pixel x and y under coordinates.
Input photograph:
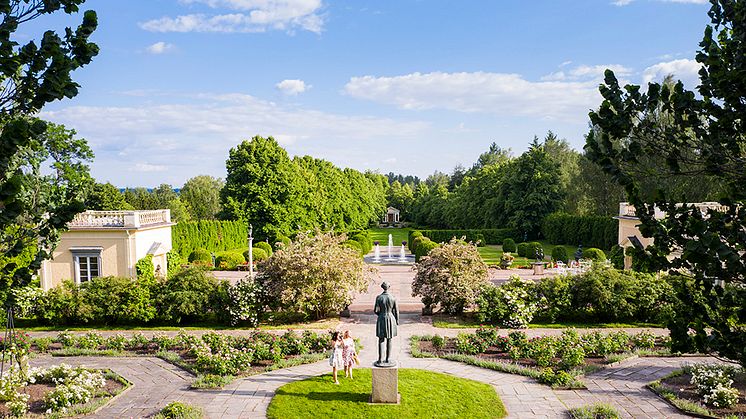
{"type": "Point", "coordinates": [157, 382]}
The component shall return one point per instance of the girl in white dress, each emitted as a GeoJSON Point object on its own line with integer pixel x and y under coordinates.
{"type": "Point", "coordinates": [335, 360]}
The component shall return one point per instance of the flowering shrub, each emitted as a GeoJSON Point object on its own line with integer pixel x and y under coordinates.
{"type": "Point", "coordinates": [438, 342]}
{"type": "Point", "coordinates": [451, 275]}
{"type": "Point", "coordinates": [26, 301]}
{"type": "Point", "coordinates": [245, 303]}
{"type": "Point", "coordinates": [90, 340]}
{"type": "Point", "coordinates": [714, 383]}
{"type": "Point", "coordinates": [542, 350]}
{"type": "Point", "coordinates": [644, 340]}
{"type": "Point", "coordinates": [117, 342]}
{"type": "Point", "coordinates": [510, 305]}
{"type": "Point", "coordinates": [466, 345]}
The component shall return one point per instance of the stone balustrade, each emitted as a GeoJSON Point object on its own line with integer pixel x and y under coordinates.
{"type": "Point", "coordinates": [120, 219]}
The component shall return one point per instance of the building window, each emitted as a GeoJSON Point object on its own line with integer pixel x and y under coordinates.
{"type": "Point", "coordinates": [87, 267]}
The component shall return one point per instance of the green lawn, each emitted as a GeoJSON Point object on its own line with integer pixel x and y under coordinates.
{"type": "Point", "coordinates": [423, 394]}
{"type": "Point", "coordinates": [382, 235]}
{"type": "Point", "coordinates": [491, 254]}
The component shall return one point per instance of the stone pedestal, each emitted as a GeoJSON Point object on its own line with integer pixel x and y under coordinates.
{"type": "Point", "coordinates": [385, 385]}
{"type": "Point", "coordinates": [538, 268]}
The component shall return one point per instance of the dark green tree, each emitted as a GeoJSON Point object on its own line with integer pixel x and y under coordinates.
{"type": "Point", "coordinates": [532, 189]}
{"type": "Point", "coordinates": [700, 137]}
{"type": "Point", "coordinates": [34, 207]}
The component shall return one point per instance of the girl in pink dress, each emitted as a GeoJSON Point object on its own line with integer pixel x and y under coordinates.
{"type": "Point", "coordinates": [348, 353]}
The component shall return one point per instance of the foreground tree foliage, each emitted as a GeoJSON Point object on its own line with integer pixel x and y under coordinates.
{"type": "Point", "coordinates": [698, 137]}
{"type": "Point", "coordinates": [450, 276]}
{"type": "Point", "coordinates": [315, 276]}
{"type": "Point", "coordinates": [33, 206]}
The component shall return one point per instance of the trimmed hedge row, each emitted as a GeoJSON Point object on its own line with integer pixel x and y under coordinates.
{"type": "Point", "coordinates": [214, 236]}
{"type": "Point", "coordinates": [588, 230]}
{"type": "Point", "coordinates": [484, 236]}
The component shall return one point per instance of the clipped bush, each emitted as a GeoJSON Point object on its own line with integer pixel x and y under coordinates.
{"type": "Point", "coordinates": [366, 244]}
{"type": "Point", "coordinates": [257, 254]}
{"type": "Point", "coordinates": [424, 249]}
{"type": "Point", "coordinates": [594, 254]}
{"type": "Point", "coordinates": [559, 254]}
{"type": "Point", "coordinates": [185, 297]}
{"type": "Point", "coordinates": [533, 248]}
{"type": "Point", "coordinates": [509, 245]}
{"type": "Point", "coordinates": [228, 260]}
{"type": "Point", "coordinates": [588, 230]}
{"type": "Point", "coordinates": [416, 242]}
{"type": "Point", "coordinates": [212, 235]}
{"type": "Point", "coordinates": [264, 245]}
{"type": "Point", "coordinates": [200, 255]}
{"type": "Point", "coordinates": [354, 245]}
{"type": "Point", "coordinates": [412, 236]}
{"type": "Point", "coordinates": [282, 241]}
{"type": "Point", "coordinates": [485, 236]}
{"type": "Point", "coordinates": [522, 249]}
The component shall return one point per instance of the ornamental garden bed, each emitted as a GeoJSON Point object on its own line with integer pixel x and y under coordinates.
{"type": "Point", "coordinates": [705, 390]}
{"type": "Point", "coordinates": [554, 360]}
{"type": "Point", "coordinates": [57, 391]}
{"type": "Point", "coordinates": [215, 358]}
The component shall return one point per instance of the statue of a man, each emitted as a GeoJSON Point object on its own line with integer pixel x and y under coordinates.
{"type": "Point", "coordinates": [388, 319]}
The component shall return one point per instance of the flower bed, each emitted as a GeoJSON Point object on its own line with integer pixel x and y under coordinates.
{"type": "Point", "coordinates": [554, 360]}
{"type": "Point", "coordinates": [60, 390]}
{"type": "Point", "coordinates": [705, 390]}
{"type": "Point", "coordinates": [210, 354]}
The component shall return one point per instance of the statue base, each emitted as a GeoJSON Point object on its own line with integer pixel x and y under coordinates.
{"type": "Point", "coordinates": [385, 384]}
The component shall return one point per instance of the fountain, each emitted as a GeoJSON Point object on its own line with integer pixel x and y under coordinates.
{"type": "Point", "coordinates": [377, 253]}
{"type": "Point", "coordinates": [389, 258]}
{"type": "Point", "coordinates": [402, 255]}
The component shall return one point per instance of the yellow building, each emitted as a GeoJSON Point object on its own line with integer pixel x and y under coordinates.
{"type": "Point", "coordinates": [629, 233]}
{"type": "Point", "coordinates": [108, 243]}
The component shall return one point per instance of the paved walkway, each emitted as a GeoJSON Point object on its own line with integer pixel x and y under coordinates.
{"type": "Point", "coordinates": [156, 382]}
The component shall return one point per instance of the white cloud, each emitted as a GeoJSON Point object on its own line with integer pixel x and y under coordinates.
{"type": "Point", "coordinates": [684, 70]}
{"type": "Point", "coordinates": [567, 97]}
{"type": "Point", "coordinates": [292, 87]}
{"type": "Point", "coordinates": [146, 167]}
{"type": "Point", "coordinates": [159, 48]}
{"type": "Point", "coordinates": [193, 134]}
{"type": "Point", "coordinates": [585, 72]}
{"type": "Point", "coordinates": [245, 16]}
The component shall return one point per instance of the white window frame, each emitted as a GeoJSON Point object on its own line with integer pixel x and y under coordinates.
{"type": "Point", "coordinates": [86, 254]}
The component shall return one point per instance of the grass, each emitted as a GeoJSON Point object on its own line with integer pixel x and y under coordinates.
{"type": "Point", "coordinates": [423, 394]}
{"type": "Point", "coordinates": [179, 410]}
{"type": "Point", "coordinates": [685, 406]}
{"type": "Point", "coordinates": [467, 321]}
{"type": "Point", "coordinates": [594, 411]}
{"type": "Point", "coordinates": [210, 381]}
{"type": "Point", "coordinates": [382, 235]}
{"type": "Point", "coordinates": [491, 254]}
{"type": "Point", "coordinates": [33, 326]}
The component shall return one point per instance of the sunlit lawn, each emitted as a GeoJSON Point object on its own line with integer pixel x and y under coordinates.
{"type": "Point", "coordinates": [382, 235]}
{"type": "Point", "coordinates": [424, 394]}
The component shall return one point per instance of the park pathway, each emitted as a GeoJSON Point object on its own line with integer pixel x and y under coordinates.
{"type": "Point", "coordinates": [157, 382]}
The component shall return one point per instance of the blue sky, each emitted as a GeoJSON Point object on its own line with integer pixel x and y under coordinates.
{"type": "Point", "coordinates": [404, 86]}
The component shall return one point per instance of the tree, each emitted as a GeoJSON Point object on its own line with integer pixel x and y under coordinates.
{"type": "Point", "coordinates": [400, 197]}
{"type": "Point", "coordinates": [180, 212]}
{"type": "Point", "coordinates": [106, 197]}
{"type": "Point", "coordinates": [201, 194]}
{"type": "Point", "coordinates": [560, 151]}
{"type": "Point", "coordinates": [494, 155]}
{"type": "Point", "coordinates": [315, 276]}
{"type": "Point", "coordinates": [35, 207]}
{"type": "Point", "coordinates": [451, 276]}
{"type": "Point", "coordinates": [532, 189]}
{"type": "Point", "coordinates": [696, 138]}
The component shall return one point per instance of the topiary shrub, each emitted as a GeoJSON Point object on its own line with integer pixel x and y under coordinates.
{"type": "Point", "coordinates": [559, 254]}
{"type": "Point", "coordinates": [354, 245]}
{"type": "Point", "coordinates": [366, 244]}
{"type": "Point", "coordinates": [412, 236]}
{"type": "Point", "coordinates": [200, 255]}
{"type": "Point", "coordinates": [282, 241]}
{"type": "Point", "coordinates": [533, 247]}
{"type": "Point", "coordinates": [424, 249]}
{"type": "Point", "coordinates": [266, 246]}
{"type": "Point", "coordinates": [145, 269]}
{"type": "Point", "coordinates": [509, 245]}
{"type": "Point", "coordinates": [594, 254]}
{"type": "Point", "coordinates": [228, 260]}
{"type": "Point", "coordinates": [257, 254]}
{"type": "Point", "coordinates": [522, 249]}
{"type": "Point", "coordinates": [416, 242]}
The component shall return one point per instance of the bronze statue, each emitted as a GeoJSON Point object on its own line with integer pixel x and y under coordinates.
{"type": "Point", "coordinates": [386, 325]}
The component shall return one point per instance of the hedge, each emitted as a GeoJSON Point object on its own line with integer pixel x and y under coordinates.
{"type": "Point", "coordinates": [200, 255]}
{"type": "Point", "coordinates": [424, 248]}
{"type": "Point", "coordinates": [559, 254]}
{"type": "Point", "coordinates": [264, 245]}
{"type": "Point", "coordinates": [485, 236]}
{"type": "Point", "coordinates": [509, 245]}
{"type": "Point", "coordinates": [594, 254]}
{"type": "Point", "coordinates": [257, 254]}
{"type": "Point", "coordinates": [228, 260]}
{"type": "Point", "coordinates": [586, 230]}
{"type": "Point", "coordinates": [215, 236]}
